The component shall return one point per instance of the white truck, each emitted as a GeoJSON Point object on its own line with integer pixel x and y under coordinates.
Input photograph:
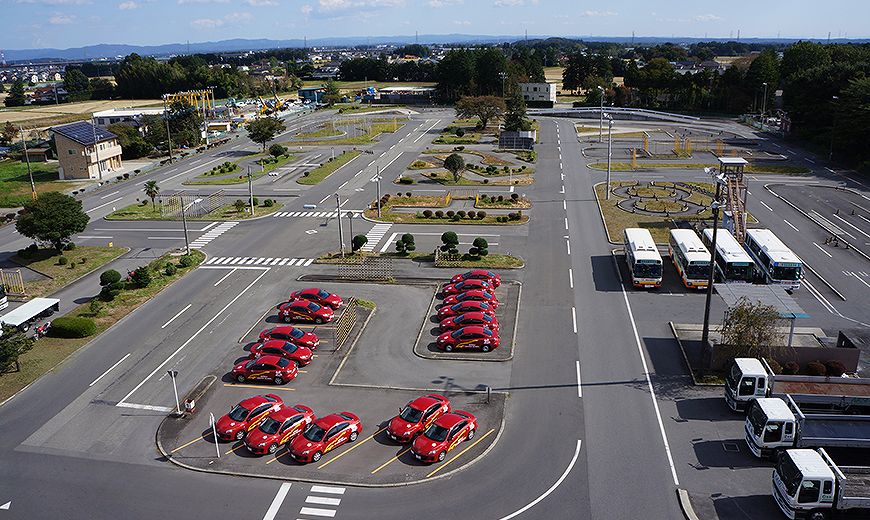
{"type": "Point", "coordinates": [774, 425]}
{"type": "Point", "coordinates": [751, 378]}
{"type": "Point", "coordinates": [808, 484]}
{"type": "Point", "coordinates": [24, 315]}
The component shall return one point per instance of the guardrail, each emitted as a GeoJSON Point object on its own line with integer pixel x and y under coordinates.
{"type": "Point", "coordinates": [642, 112]}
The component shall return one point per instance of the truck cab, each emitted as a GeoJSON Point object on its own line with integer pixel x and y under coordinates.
{"type": "Point", "coordinates": [803, 484]}
{"type": "Point", "coordinates": [747, 380]}
{"type": "Point", "coordinates": [770, 427]}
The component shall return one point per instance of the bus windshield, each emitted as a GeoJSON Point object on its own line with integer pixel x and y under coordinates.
{"type": "Point", "coordinates": [786, 273]}
{"type": "Point", "coordinates": [739, 272]}
{"type": "Point", "coordinates": [698, 271]}
{"type": "Point", "coordinates": [647, 270]}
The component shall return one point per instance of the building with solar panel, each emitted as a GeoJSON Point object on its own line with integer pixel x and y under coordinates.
{"type": "Point", "coordinates": [86, 151]}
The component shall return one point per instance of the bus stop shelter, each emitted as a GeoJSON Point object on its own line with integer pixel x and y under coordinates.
{"type": "Point", "coordinates": [771, 295]}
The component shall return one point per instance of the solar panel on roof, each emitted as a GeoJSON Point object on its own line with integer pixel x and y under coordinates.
{"type": "Point", "coordinates": [83, 132]}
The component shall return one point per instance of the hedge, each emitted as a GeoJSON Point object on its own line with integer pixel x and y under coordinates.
{"type": "Point", "coordinates": [72, 327]}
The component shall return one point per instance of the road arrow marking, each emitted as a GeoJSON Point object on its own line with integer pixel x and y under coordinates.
{"type": "Point", "coordinates": [7, 505]}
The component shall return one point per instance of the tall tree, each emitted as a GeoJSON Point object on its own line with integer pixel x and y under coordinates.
{"type": "Point", "coordinates": [802, 56]}
{"type": "Point", "coordinates": [151, 190]}
{"type": "Point", "coordinates": [10, 132]}
{"type": "Point", "coordinates": [13, 343]}
{"type": "Point", "coordinates": [455, 164]}
{"type": "Point", "coordinates": [332, 94]}
{"type": "Point", "coordinates": [262, 130]}
{"type": "Point", "coordinates": [16, 97]}
{"type": "Point", "coordinates": [75, 82]}
{"type": "Point", "coordinates": [515, 119]}
{"type": "Point", "coordinates": [53, 218]}
{"type": "Point", "coordinates": [763, 69]}
{"type": "Point", "coordinates": [133, 146]}
{"type": "Point", "coordinates": [485, 108]}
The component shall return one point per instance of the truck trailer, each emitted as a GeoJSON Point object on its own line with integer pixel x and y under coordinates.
{"type": "Point", "coordinates": [24, 315]}
{"type": "Point", "coordinates": [808, 484]}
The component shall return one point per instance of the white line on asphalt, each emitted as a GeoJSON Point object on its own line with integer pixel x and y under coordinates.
{"type": "Point", "coordinates": [426, 131]}
{"type": "Point", "coordinates": [579, 386]}
{"type": "Point", "coordinates": [565, 205]}
{"type": "Point", "coordinates": [165, 238]}
{"type": "Point", "coordinates": [571, 277]}
{"type": "Point", "coordinates": [830, 170]}
{"type": "Point", "coordinates": [822, 250]}
{"type": "Point", "coordinates": [186, 343]}
{"type": "Point", "coordinates": [853, 226]}
{"type": "Point", "coordinates": [389, 242]}
{"type": "Point", "coordinates": [177, 315]}
{"type": "Point", "coordinates": [650, 385]}
{"type": "Point", "coordinates": [810, 160]}
{"type": "Point", "coordinates": [511, 190]}
{"type": "Point", "coordinates": [568, 242]}
{"type": "Point", "coordinates": [566, 223]}
{"type": "Point", "coordinates": [224, 278]}
{"type": "Point", "coordinates": [104, 205]}
{"type": "Point", "coordinates": [343, 184]}
{"type": "Point", "coordinates": [85, 237]}
{"type": "Point", "coordinates": [328, 489]}
{"type": "Point", "coordinates": [109, 370]}
{"type": "Point", "coordinates": [552, 488]}
{"type": "Point", "coordinates": [574, 318]}
{"type": "Point", "coordinates": [277, 501]}
{"type": "Point", "coordinates": [110, 194]}
{"type": "Point", "coordinates": [324, 199]}
{"type": "Point", "coordinates": [791, 225]}
{"type": "Point", "coordinates": [861, 279]}
{"type": "Point", "coordinates": [323, 501]}
{"type": "Point", "coordinates": [150, 407]}
{"type": "Point", "coordinates": [213, 224]}
{"type": "Point", "coordinates": [166, 230]}
{"type": "Point", "coordinates": [789, 151]}
{"type": "Point", "coordinates": [315, 511]}
{"type": "Point", "coordinates": [765, 205]}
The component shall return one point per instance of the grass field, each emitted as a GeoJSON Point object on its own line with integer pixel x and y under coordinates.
{"type": "Point", "coordinates": [412, 218]}
{"type": "Point", "coordinates": [446, 178]}
{"type": "Point", "coordinates": [241, 176]}
{"type": "Point", "coordinates": [38, 116]}
{"type": "Point", "coordinates": [82, 260]}
{"type": "Point", "coordinates": [228, 212]}
{"type": "Point", "coordinates": [15, 184]}
{"type": "Point", "coordinates": [325, 170]}
{"type": "Point", "coordinates": [751, 168]}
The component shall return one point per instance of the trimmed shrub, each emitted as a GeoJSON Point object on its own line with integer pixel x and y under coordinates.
{"type": "Point", "coordinates": [186, 261]}
{"type": "Point", "coordinates": [450, 214]}
{"type": "Point", "coordinates": [455, 218]}
{"type": "Point", "coordinates": [109, 277]}
{"type": "Point", "coordinates": [72, 327]}
{"type": "Point", "coordinates": [62, 260]}
{"type": "Point", "coordinates": [500, 198]}
{"type": "Point", "coordinates": [816, 368]}
{"type": "Point", "coordinates": [408, 194]}
{"type": "Point", "coordinates": [481, 214]}
{"type": "Point", "coordinates": [69, 246]}
{"type": "Point", "coordinates": [461, 213]}
{"type": "Point", "coordinates": [33, 248]}
{"type": "Point", "coordinates": [268, 203]}
{"type": "Point", "coordinates": [775, 366]}
{"type": "Point", "coordinates": [170, 269]}
{"type": "Point", "coordinates": [439, 214]}
{"type": "Point", "coordinates": [460, 132]}
{"type": "Point", "coordinates": [834, 368]}
{"type": "Point", "coordinates": [405, 180]}
{"type": "Point", "coordinates": [256, 201]}
{"type": "Point", "coordinates": [472, 214]}
{"type": "Point", "coordinates": [427, 213]}
{"type": "Point", "coordinates": [515, 196]}
{"type": "Point", "coordinates": [141, 277]}
{"type": "Point", "coordinates": [486, 181]}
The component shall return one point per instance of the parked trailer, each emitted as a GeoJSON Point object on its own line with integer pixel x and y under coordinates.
{"type": "Point", "coordinates": [773, 425]}
{"type": "Point", "coordinates": [751, 378]}
{"type": "Point", "coordinates": [808, 484]}
{"type": "Point", "coordinates": [24, 315]}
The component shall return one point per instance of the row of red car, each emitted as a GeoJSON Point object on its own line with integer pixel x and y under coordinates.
{"type": "Point", "coordinates": [266, 423]}
{"type": "Point", "coordinates": [467, 315]}
{"type": "Point", "coordinates": [310, 305]}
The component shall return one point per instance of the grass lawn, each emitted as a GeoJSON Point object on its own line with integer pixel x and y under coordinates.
{"type": "Point", "coordinates": [241, 176]}
{"type": "Point", "coordinates": [412, 218]}
{"type": "Point", "coordinates": [45, 262]}
{"type": "Point", "coordinates": [50, 352]}
{"type": "Point", "coordinates": [506, 203]}
{"type": "Point", "coordinates": [325, 131]}
{"type": "Point", "coordinates": [468, 138]}
{"type": "Point", "coordinates": [348, 108]}
{"type": "Point", "coordinates": [751, 168]}
{"type": "Point", "coordinates": [325, 170]}
{"type": "Point", "coordinates": [420, 164]}
{"type": "Point", "coordinates": [446, 178]}
{"type": "Point", "coordinates": [228, 212]}
{"type": "Point", "coordinates": [15, 184]}
{"type": "Point", "coordinates": [491, 261]}
{"type": "Point", "coordinates": [366, 138]}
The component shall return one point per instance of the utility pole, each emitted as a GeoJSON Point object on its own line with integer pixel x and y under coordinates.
{"type": "Point", "coordinates": [168, 136]}
{"type": "Point", "coordinates": [251, 190]}
{"type": "Point", "coordinates": [601, 115]}
{"type": "Point", "coordinates": [378, 179]}
{"type": "Point", "coordinates": [705, 334]}
{"type": "Point", "coordinates": [96, 147]}
{"type": "Point", "coordinates": [340, 237]}
{"type": "Point", "coordinates": [503, 76]}
{"type": "Point", "coordinates": [184, 223]}
{"type": "Point", "coordinates": [609, 153]}
{"type": "Point", "coordinates": [350, 223]}
{"type": "Point", "coordinates": [173, 374]}
{"type": "Point", "coordinates": [833, 130]}
{"type": "Point", "coordinates": [30, 172]}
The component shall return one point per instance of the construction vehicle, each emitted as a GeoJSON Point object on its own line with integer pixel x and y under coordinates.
{"type": "Point", "coordinates": [808, 484]}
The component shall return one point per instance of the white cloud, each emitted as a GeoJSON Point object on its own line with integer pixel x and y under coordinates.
{"type": "Point", "coordinates": [594, 14]}
{"type": "Point", "coordinates": [306, 9]}
{"type": "Point", "coordinates": [230, 19]}
{"type": "Point", "coordinates": [54, 2]}
{"type": "Point", "coordinates": [261, 3]}
{"type": "Point", "coordinates": [203, 1]}
{"type": "Point", "coordinates": [436, 4]}
{"type": "Point", "coordinates": [461, 22]}
{"type": "Point", "coordinates": [514, 3]}
{"type": "Point", "coordinates": [707, 18]}
{"type": "Point", "coordinates": [238, 17]}
{"type": "Point", "coordinates": [127, 6]}
{"type": "Point", "coordinates": [61, 19]}
{"type": "Point", "coordinates": [206, 23]}
{"type": "Point", "coordinates": [342, 5]}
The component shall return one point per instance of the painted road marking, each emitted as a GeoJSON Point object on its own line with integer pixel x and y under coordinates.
{"type": "Point", "coordinates": [579, 386]}
{"type": "Point", "coordinates": [552, 488]}
{"type": "Point", "coordinates": [375, 234]}
{"type": "Point", "coordinates": [150, 407]}
{"type": "Point", "coordinates": [109, 370]}
{"type": "Point", "coordinates": [272, 512]}
{"type": "Point", "coordinates": [240, 445]}
{"type": "Point", "coordinates": [810, 160]}
{"type": "Point", "coordinates": [571, 277]}
{"type": "Point", "coordinates": [390, 241]}
{"type": "Point", "coordinates": [323, 501]}
{"type": "Point", "coordinates": [791, 225]}
{"type": "Point", "coordinates": [566, 223]}
{"type": "Point", "coordinates": [328, 489]}
{"type": "Point", "coordinates": [224, 277]}
{"type": "Point", "coordinates": [822, 250]}
{"type": "Point", "coordinates": [200, 438]}
{"type": "Point", "coordinates": [853, 226]}
{"type": "Point", "coordinates": [568, 242]}
{"type": "Point", "coordinates": [92, 237]}
{"type": "Point", "coordinates": [315, 511]}
{"type": "Point", "coordinates": [355, 446]}
{"type": "Point", "coordinates": [574, 318]}
{"type": "Point", "coordinates": [104, 205]}
{"type": "Point", "coordinates": [177, 315]}
{"type": "Point", "coordinates": [860, 279]}
{"type": "Point", "coordinates": [473, 444]}
{"type": "Point", "coordinates": [385, 464]}
{"type": "Point", "coordinates": [110, 194]}
{"type": "Point", "coordinates": [765, 205]}
{"type": "Point", "coordinates": [243, 385]}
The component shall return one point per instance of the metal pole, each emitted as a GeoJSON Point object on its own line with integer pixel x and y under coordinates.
{"type": "Point", "coordinates": [338, 210]}
{"type": "Point", "coordinates": [764, 105]}
{"type": "Point", "coordinates": [96, 148]}
{"type": "Point", "coordinates": [833, 129]}
{"type": "Point", "coordinates": [251, 190]}
{"type": "Point", "coordinates": [350, 220]}
{"type": "Point", "coordinates": [172, 374]}
{"type": "Point", "coordinates": [27, 158]}
{"type": "Point", "coordinates": [601, 115]}
{"type": "Point", "coordinates": [214, 431]}
{"type": "Point", "coordinates": [168, 136]}
{"type": "Point", "coordinates": [332, 148]}
{"type": "Point", "coordinates": [378, 178]}
{"type": "Point", "coordinates": [705, 334]}
{"type": "Point", "coordinates": [609, 149]}
{"type": "Point", "coordinates": [184, 223]}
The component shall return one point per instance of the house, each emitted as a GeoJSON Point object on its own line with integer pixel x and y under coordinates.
{"type": "Point", "coordinates": [539, 95]}
{"type": "Point", "coordinates": [86, 151]}
{"type": "Point", "coordinates": [312, 94]}
{"type": "Point", "coordinates": [38, 154]}
{"type": "Point", "coordinates": [127, 116]}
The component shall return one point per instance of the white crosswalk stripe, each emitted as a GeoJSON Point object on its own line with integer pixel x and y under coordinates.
{"type": "Point", "coordinates": [213, 234]}
{"type": "Point", "coordinates": [328, 501]}
{"type": "Point", "coordinates": [353, 213]}
{"type": "Point", "coordinates": [260, 261]}
{"type": "Point", "coordinates": [375, 235]}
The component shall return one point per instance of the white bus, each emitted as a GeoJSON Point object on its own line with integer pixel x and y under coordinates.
{"type": "Point", "coordinates": [775, 260]}
{"type": "Point", "coordinates": [733, 263]}
{"type": "Point", "coordinates": [643, 258]}
{"type": "Point", "coordinates": [690, 257]}
{"type": "Point", "coordinates": [4, 301]}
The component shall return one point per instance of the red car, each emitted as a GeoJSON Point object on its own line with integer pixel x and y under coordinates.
{"type": "Point", "coordinates": [470, 318]}
{"type": "Point", "coordinates": [278, 347]}
{"type": "Point", "coordinates": [473, 336]}
{"type": "Point", "coordinates": [466, 285]}
{"type": "Point", "coordinates": [325, 434]}
{"type": "Point", "coordinates": [447, 311]}
{"type": "Point", "coordinates": [302, 310]}
{"type": "Point", "coordinates": [318, 296]}
{"type": "Point", "coordinates": [293, 335]}
{"type": "Point", "coordinates": [478, 274]}
{"type": "Point", "coordinates": [443, 435]}
{"type": "Point", "coordinates": [246, 415]}
{"type": "Point", "coordinates": [417, 416]}
{"type": "Point", "coordinates": [278, 428]}
{"type": "Point", "coordinates": [473, 295]}
{"type": "Point", "coordinates": [272, 368]}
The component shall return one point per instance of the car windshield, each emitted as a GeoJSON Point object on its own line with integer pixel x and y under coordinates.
{"type": "Point", "coordinates": [487, 332]}
{"type": "Point", "coordinates": [456, 334]}
{"type": "Point", "coordinates": [322, 294]}
{"type": "Point", "coordinates": [789, 474]}
{"type": "Point", "coordinates": [239, 413]}
{"type": "Point", "coordinates": [283, 363]}
{"type": "Point", "coordinates": [411, 415]}
{"type": "Point", "coordinates": [733, 377]}
{"type": "Point", "coordinates": [313, 307]}
{"type": "Point", "coordinates": [289, 348]}
{"type": "Point", "coordinates": [296, 333]}
{"type": "Point", "coordinates": [436, 433]}
{"type": "Point", "coordinates": [314, 433]}
{"type": "Point", "coordinates": [487, 318]}
{"type": "Point", "coordinates": [698, 270]}
{"type": "Point", "coordinates": [250, 363]}
{"type": "Point", "coordinates": [270, 426]}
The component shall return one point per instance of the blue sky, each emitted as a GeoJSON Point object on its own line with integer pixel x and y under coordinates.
{"type": "Point", "coordinates": [73, 23]}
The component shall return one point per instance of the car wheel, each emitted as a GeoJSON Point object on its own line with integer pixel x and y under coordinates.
{"type": "Point", "coordinates": [316, 456]}
{"type": "Point", "coordinates": [240, 435]}
{"type": "Point", "coordinates": [273, 448]}
{"type": "Point", "coordinates": [278, 380]}
{"type": "Point", "coordinates": [485, 348]}
{"type": "Point", "coordinates": [318, 321]}
{"type": "Point", "coordinates": [448, 348]}
{"type": "Point", "coordinates": [353, 436]}
{"type": "Point", "coordinates": [240, 378]}
{"type": "Point", "coordinates": [287, 319]}
{"type": "Point", "coordinates": [470, 434]}
{"type": "Point", "coordinates": [441, 456]}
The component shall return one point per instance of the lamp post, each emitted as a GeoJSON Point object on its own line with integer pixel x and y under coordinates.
{"type": "Point", "coordinates": [184, 222]}
{"type": "Point", "coordinates": [168, 136]}
{"type": "Point", "coordinates": [705, 334]}
{"type": "Point", "coordinates": [27, 158]}
{"type": "Point", "coordinates": [609, 152]}
{"type": "Point", "coordinates": [172, 375]}
{"type": "Point", "coordinates": [833, 128]}
{"type": "Point", "coordinates": [251, 190]}
{"type": "Point", "coordinates": [338, 210]}
{"type": "Point", "coordinates": [503, 76]}
{"type": "Point", "coordinates": [377, 179]}
{"type": "Point", "coordinates": [764, 100]}
{"type": "Point", "coordinates": [601, 115]}
{"type": "Point", "coordinates": [96, 148]}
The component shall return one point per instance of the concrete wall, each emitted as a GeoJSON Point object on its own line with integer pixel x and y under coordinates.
{"type": "Point", "coordinates": [719, 357]}
{"type": "Point", "coordinates": [79, 162]}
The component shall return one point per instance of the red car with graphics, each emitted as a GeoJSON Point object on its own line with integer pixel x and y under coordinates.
{"type": "Point", "coordinates": [473, 336]}
{"type": "Point", "coordinates": [246, 415]}
{"type": "Point", "coordinates": [470, 318]}
{"type": "Point", "coordinates": [278, 347]}
{"type": "Point", "coordinates": [416, 416]}
{"type": "Point", "coordinates": [279, 428]}
{"type": "Point", "coordinates": [270, 368]}
{"type": "Point", "coordinates": [318, 296]}
{"type": "Point", "coordinates": [465, 285]}
{"type": "Point", "coordinates": [447, 311]}
{"type": "Point", "coordinates": [303, 310]}
{"type": "Point", "coordinates": [444, 435]}
{"type": "Point", "coordinates": [291, 334]}
{"type": "Point", "coordinates": [325, 434]}
{"type": "Point", "coordinates": [473, 295]}
{"type": "Point", "coordinates": [478, 274]}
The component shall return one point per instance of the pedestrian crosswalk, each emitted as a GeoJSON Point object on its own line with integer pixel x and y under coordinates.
{"type": "Point", "coordinates": [315, 498]}
{"type": "Point", "coordinates": [259, 261]}
{"type": "Point", "coordinates": [375, 235]}
{"type": "Point", "coordinates": [213, 233]}
{"type": "Point", "coordinates": [317, 214]}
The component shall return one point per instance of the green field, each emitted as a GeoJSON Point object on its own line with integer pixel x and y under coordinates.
{"type": "Point", "coordinates": [81, 261]}
{"type": "Point", "coordinates": [228, 212]}
{"type": "Point", "coordinates": [15, 184]}
{"type": "Point", "coordinates": [325, 170]}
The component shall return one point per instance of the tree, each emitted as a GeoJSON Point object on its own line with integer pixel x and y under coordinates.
{"type": "Point", "coordinates": [53, 218]}
{"type": "Point", "coordinates": [750, 329]}
{"type": "Point", "coordinates": [109, 276]}
{"type": "Point", "coordinates": [240, 205]}
{"type": "Point", "coordinates": [515, 119]}
{"type": "Point", "coordinates": [479, 248]}
{"type": "Point", "coordinates": [2, 88]}
{"type": "Point", "coordinates": [101, 88]}
{"type": "Point", "coordinates": [455, 164]}
{"type": "Point", "coordinates": [484, 108]}
{"type": "Point", "coordinates": [133, 145]}
{"type": "Point", "coordinates": [405, 244]}
{"type": "Point", "coordinates": [10, 132]}
{"type": "Point", "coordinates": [332, 94]}
{"type": "Point", "coordinates": [75, 82]}
{"type": "Point", "coordinates": [16, 97]}
{"type": "Point", "coordinates": [276, 150]}
{"type": "Point", "coordinates": [449, 240]}
{"type": "Point", "coordinates": [763, 69]}
{"type": "Point", "coordinates": [357, 242]}
{"type": "Point", "coordinates": [13, 343]}
{"type": "Point", "coordinates": [141, 277]}
{"type": "Point", "coordinates": [151, 190]}
{"type": "Point", "coordinates": [264, 129]}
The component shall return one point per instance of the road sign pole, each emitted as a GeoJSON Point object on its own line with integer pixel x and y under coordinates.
{"type": "Point", "coordinates": [184, 223]}
{"type": "Point", "coordinates": [211, 420]}
{"type": "Point", "coordinates": [378, 177]}
{"type": "Point", "coordinates": [251, 190]}
{"type": "Point", "coordinates": [338, 212]}
{"type": "Point", "coordinates": [172, 375]}
{"type": "Point", "coordinates": [350, 220]}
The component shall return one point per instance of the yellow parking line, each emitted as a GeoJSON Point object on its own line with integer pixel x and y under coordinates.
{"type": "Point", "coordinates": [384, 465]}
{"type": "Point", "coordinates": [355, 446]}
{"type": "Point", "coordinates": [276, 387]}
{"type": "Point", "coordinates": [442, 466]}
{"type": "Point", "coordinates": [201, 438]}
{"type": "Point", "coordinates": [303, 371]}
{"type": "Point", "coordinates": [279, 455]}
{"type": "Point", "coordinates": [241, 444]}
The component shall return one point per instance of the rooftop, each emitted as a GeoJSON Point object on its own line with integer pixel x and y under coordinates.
{"type": "Point", "coordinates": [84, 133]}
{"type": "Point", "coordinates": [129, 112]}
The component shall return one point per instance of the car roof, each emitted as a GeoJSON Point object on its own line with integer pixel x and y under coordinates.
{"type": "Point", "coordinates": [476, 315]}
{"type": "Point", "coordinates": [330, 420]}
{"type": "Point", "coordinates": [283, 329]}
{"type": "Point", "coordinates": [423, 402]}
{"type": "Point", "coordinates": [270, 359]}
{"type": "Point", "coordinates": [310, 290]}
{"type": "Point", "coordinates": [474, 303]}
{"type": "Point", "coordinates": [284, 413]}
{"type": "Point", "coordinates": [449, 420]}
{"type": "Point", "coordinates": [275, 343]}
{"type": "Point", "coordinates": [473, 328]}
{"type": "Point", "coordinates": [253, 402]}
{"type": "Point", "coordinates": [474, 292]}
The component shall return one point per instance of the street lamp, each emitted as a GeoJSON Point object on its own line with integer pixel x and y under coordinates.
{"type": "Point", "coordinates": [720, 180]}
{"type": "Point", "coordinates": [338, 211]}
{"type": "Point", "coordinates": [503, 76]}
{"type": "Point", "coordinates": [172, 375]}
{"type": "Point", "coordinates": [764, 104]}
{"type": "Point", "coordinates": [834, 99]}
{"type": "Point", "coordinates": [184, 222]}
{"type": "Point", "coordinates": [27, 158]}
{"type": "Point", "coordinates": [609, 152]}
{"type": "Point", "coordinates": [601, 114]}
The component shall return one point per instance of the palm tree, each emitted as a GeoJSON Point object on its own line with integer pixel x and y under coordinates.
{"type": "Point", "coordinates": [151, 190]}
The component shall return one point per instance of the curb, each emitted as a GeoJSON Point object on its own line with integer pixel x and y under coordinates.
{"type": "Point", "coordinates": [683, 352]}
{"type": "Point", "coordinates": [686, 505]}
{"type": "Point", "coordinates": [601, 214]}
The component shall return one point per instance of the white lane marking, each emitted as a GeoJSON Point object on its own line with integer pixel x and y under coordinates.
{"type": "Point", "coordinates": [343, 184]}
{"type": "Point", "coordinates": [150, 407]}
{"type": "Point", "coordinates": [308, 262]}
{"type": "Point", "coordinates": [825, 303]}
{"type": "Point", "coordinates": [552, 488]}
{"type": "Point", "coordinates": [810, 160]}
{"type": "Point", "coordinates": [765, 205]}
{"type": "Point", "coordinates": [109, 370]}
{"type": "Point", "coordinates": [314, 511]}
{"type": "Point", "coordinates": [328, 489]}
{"type": "Point", "coordinates": [323, 501]}
{"type": "Point", "coordinates": [197, 333]}
{"type": "Point", "coordinates": [94, 237]}
{"type": "Point", "coordinates": [110, 194]}
{"type": "Point", "coordinates": [177, 315]}
{"type": "Point", "coordinates": [568, 242]}
{"type": "Point", "coordinates": [159, 230]}
{"type": "Point", "coordinates": [571, 277]}
{"type": "Point", "coordinates": [565, 205]}
{"type": "Point", "coordinates": [789, 151]}
{"type": "Point", "coordinates": [168, 238]}
{"type": "Point", "coordinates": [272, 512]}
{"type": "Point", "coordinates": [566, 223]}
{"type": "Point", "coordinates": [822, 250]}
{"type": "Point", "coordinates": [853, 226]}
{"type": "Point", "coordinates": [213, 224]}
{"type": "Point", "coordinates": [324, 199]}
{"type": "Point", "coordinates": [791, 225]}
{"type": "Point", "coordinates": [426, 131]}
{"type": "Point", "coordinates": [104, 205]}
{"type": "Point", "coordinates": [830, 170]}
{"type": "Point", "coordinates": [224, 278]}
{"type": "Point", "coordinates": [574, 318]}
{"type": "Point", "coordinates": [860, 279]}
{"type": "Point", "coordinates": [283, 261]}
{"type": "Point", "coordinates": [390, 241]}
{"type": "Point", "coordinates": [579, 385]}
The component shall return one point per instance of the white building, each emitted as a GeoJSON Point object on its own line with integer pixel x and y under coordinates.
{"type": "Point", "coordinates": [127, 116]}
{"type": "Point", "coordinates": [539, 92]}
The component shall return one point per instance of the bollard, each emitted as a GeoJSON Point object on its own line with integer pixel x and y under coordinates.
{"type": "Point", "coordinates": [488, 393]}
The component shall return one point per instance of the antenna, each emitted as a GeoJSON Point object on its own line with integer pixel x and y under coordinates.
{"type": "Point", "coordinates": [829, 36]}
{"type": "Point", "coordinates": [416, 37]}
{"type": "Point", "coordinates": [527, 35]}
{"type": "Point", "coordinates": [738, 34]}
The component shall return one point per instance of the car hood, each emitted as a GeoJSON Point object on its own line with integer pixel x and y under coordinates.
{"type": "Point", "coordinates": [301, 444]}
{"type": "Point", "coordinates": [256, 437]}
{"type": "Point", "coordinates": [424, 444]}
{"type": "Point", "coordinates": [225, 423]}
{"type": "Point", "coordinates": [399, 425]}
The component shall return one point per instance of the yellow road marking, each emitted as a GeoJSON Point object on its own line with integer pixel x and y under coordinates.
{"type": "Point", "coordinates": [201, 438]}
{"type": "Point", "coordinates": [276, 387]}
{"type": "Point", "coordinates": [442, 466]}
{"type": "Point", "coordinates": [384, 465]}
{"type": "Point", "coordinates": [241, 444]}
{"type": "Point", "coordinates": [279, 455]}
{"type": "Point", "coordinates": [302, 371]}
{"type": "Point", "coordinates": [355, 446]}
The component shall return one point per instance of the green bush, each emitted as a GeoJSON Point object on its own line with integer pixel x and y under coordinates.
{"type": "Point", "coordinates": [427, 213]}
{"type": "Point", "coordinates": [405, 180]}
{"type": "Point", "coordinates": [472, 214]}
{"type": "Point", "coordinates": [170, 269]}
{"type": "Point", "coordinates": [186, 261]}
{"type": "Point", "coordinates": [450, 214]}
{"type": "Point", "coordinates": [439, 214]}
{"type": "Point", "coordinates": [460, 132]}
{"type": "Point", "coordinates": [835, 368]}
{"type": "Point", "coordinates": [62, 260]}
{"type": "Point", "coordinates": [141, 277]}
{"type": "Point", "coordinates": [461, 213]}
{"type": "Point", "coordinates": [70, 246]}
{"type": "Point", "coordinates": [455, 218]}
{"type": "Point", "coordinates": [481, 215]}
{"type": "Point", "coordinates": [72, 327]}
{"type": "Point", "coordinates": [256, 201]}
{"type": "Point", "coordinates": [816, 368]}
{"type": "Point", "coordinates": [268, 203]}
{"type": "Point", "coordinates": [109, 277]}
